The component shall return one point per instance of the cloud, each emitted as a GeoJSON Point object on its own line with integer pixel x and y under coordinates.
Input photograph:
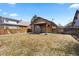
{"type": "Point", "coordinates": [5, 13]}
{"type": "Point", "coordinates": [12, 4]}
{"type": "Point", "coordinates": [0, 9]}
{"type": "Point", "coordinates": [74, 6]}
{"type": "Point", "coordinates": [13, 14]}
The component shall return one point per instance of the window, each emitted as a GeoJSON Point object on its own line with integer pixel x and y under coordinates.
{"type": "Point", "coordinates": [6, 20]}
{"type": "Point", "coordinates": [78, 16]}
{"type": "Point", "coordinates": [17, 22]}
{"type": "Point", "coordinates": [48, 25]}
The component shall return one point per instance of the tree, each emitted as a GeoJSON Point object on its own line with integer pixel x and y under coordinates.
{"type": "Point", "coordinates": [33, 18]}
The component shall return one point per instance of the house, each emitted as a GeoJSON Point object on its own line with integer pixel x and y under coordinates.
{"type": "Point", "coordinates": [75, 23]}
{"type": "Point", "coordinates": [60, 28]}
{"type": "Point", "coordinates": [76, 20]}
{"type": "Point", "coordinates": [41, 25]}
{"type": "Point", "coordinates": [9, 23]}
{"type": "Point", "coordinates": [12, 25]}
{"type": "Point", "coordinates": [73, 27]}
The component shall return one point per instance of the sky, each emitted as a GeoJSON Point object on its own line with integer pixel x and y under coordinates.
{"type": "Point", "coordinates": [60, 13]}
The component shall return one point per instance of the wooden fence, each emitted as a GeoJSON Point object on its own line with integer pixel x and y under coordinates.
{"type": "Point", "coordinates": [12, 31]}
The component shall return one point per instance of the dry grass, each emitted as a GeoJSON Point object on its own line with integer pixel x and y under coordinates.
{"type": "Point", "coordinates": [41, 45]}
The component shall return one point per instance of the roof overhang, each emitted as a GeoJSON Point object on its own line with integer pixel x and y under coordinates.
{"type": "Point", "coordinates": [13, 25]}
{"type": "Point", "coordinates": [40, 23]}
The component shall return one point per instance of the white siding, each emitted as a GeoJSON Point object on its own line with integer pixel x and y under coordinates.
{"type": "Point", "coordinates": [9, 22]}
{"type": "Point", "coordinates": [76, 23]}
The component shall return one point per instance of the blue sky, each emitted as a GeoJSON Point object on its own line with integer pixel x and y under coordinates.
{"type": "Point", "coordinates": [62, 13]}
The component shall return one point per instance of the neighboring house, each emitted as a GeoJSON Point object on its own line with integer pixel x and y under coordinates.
{"type": "Point", "coordinates": [69, 25]}
{"type": "Point", "coordinates": [73, 27]}
{"type": "Point", "coordinates": [10, 26]}
{"type": "Point", "coordinates": [69, 28]}
{"type": "Point", "coordinates": [60, 28]}
{"type": "Point", "coordinates": [8, 23]}
{"type": "Point", "coordinates": [41, 25]}
{"type": "Point", "coordinates": [75, 23]}
{"type": "Point", "coordinates": [76, 20]}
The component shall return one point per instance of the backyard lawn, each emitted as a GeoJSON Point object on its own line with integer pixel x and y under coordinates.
{"type": "Point", "coordinates": [38, 45]}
